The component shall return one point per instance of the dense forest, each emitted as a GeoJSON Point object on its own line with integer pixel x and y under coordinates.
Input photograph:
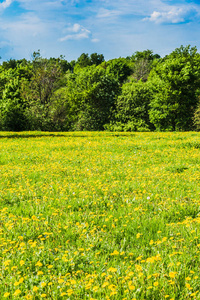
{"type": "Point", "coordinates": [142, 92]}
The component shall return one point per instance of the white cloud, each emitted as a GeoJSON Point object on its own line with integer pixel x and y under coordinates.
{"type": "Point", "coordinates": [5, 4]}
{"type": "Point", "coordinates": [118, 24]}
{"type": "Point", "coordinates": [78, 32]}
{"type": "Point", "coordinates": [107, 13]}
{"type": "Point", "coordinates": [95, 40]}
{"type": "Point", "coordinates": [28, 24]}
{"type": "Point", "coordinates": [174, 15]}
{"type": "Point", "coordinates": [75, 28]}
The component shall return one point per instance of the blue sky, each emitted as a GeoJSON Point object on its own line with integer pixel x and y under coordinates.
{"type": "Point", "coordinates": [113, 28]}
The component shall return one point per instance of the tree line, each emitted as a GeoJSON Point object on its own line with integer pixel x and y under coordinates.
{"type": "Point", "coordinates": [142, 92]}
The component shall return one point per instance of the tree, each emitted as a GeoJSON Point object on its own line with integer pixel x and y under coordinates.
{"type": "Point", "coordinates": [175, 81]}
{"type": "Point", "coordinates": [96, 59]}
{"type": "Point", "coordinates": [91, 94]}
{"type": "Point", "coordinates": [12, 107]}
{"type": "Point", "coordinates": [47, 77]}
{"type": "Point", "coordinates": [143, 63]}
{"type": "Point", "coordinates": [12, 104]}
{"type": "Point", "coordinates": [83, 60]}
{"type": "Point", "coordinates": [196, 117]}
{"type": "Point", "coordinates": [119, 68]}
{"type": "Point", "coordinates": [146, 54]}
{"type": "Point", "coordinates": [132, 107]}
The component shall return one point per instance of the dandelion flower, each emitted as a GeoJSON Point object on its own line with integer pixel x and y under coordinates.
{"type": "Point", "coordinates": [6, 295]}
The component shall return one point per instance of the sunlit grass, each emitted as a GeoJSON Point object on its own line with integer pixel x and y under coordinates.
{"type": "Point", "coordinates": [99, 215]}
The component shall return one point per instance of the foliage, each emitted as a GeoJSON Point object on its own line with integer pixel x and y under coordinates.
{"type": "Point", "coordinates": [120, 68]}
{"type": "Point", "coordinates": [196, 117]}
{"type": "Point", "coordinates": [91, 94]}
{"type": "Point", "coordinates": [132, 108]}
{"type": "Point", "coordinates": [47, 77]}
{"type": "Point", "coordinates": [143, 62]}
{"type": "Point", "coordinates": [137, 93]}
{"type": "Point", "coordinates": [146, 54]}
{"type": "Point", "coordinates": [12, 107]}
{"type": "Point", "coordinates": [85, 60]}
{"type": "Point", "coordinates": [176, 81]}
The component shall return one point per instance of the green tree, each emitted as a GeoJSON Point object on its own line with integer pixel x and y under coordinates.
{"type": "Point", "coordinates": [91, 96]}
{"type": "Point", "coordinates": [96, 59]}
{"type": "Point", "coordinates": [47, 77]}
{"type": "Point", "coordinates": [120, 68]}
{"type": "Point", "coordinates": [132, 108]}
{"type": "Point", "coordinates": [175, 81]}
{"type": "Point", "coordinates": [12, 107]}
{"type": "Point", "coordinates": [146, 54]}
{"type": "Point", "coordinates": [196, 117]}
{"type": "Point", "coordinates": [12, 111]}
{"type": "Point", "coordinates": [143, 61]}
{"type": "Point", "coordinates": [83, 60]}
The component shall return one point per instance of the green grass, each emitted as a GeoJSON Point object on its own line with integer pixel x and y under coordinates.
{"type": "Point", "coordinates": [99, 215]}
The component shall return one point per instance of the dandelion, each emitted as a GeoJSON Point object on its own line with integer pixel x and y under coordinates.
{"type": "Point", "coordinates": [69, 292]}
{"type": "Point", "coordinates": [21, 280]}
{"type": "Point", "coordinates": [60, 281]}
{"type": "Point", "coordinates": [17, 292]}
{"type": "Point", "coordinates": [188, 278]}
{"type": "Point", "coordinates": [112, 270]}
{"type": "Point", "coordinates": [40, 273]}
{"type": "Point", "coordinates": [115, 252]}
{"type": "Point", "coordinates": [6, 295]}
{"type": "Point", "coordinates": [105, 284]}
{"type": "Point", "coordinates": [63, 294]}
{"type": "Point", "coordinates": [138, 235]}
{"type": "Point", "coordinates": [7, 262]}
{"type": "Point", "coordinates": [43, 284]}
{"type": "Point", "coordinates": [38, 264]}
{"type": "Point", "coordinates": [172, 274]}
{"type": "Point", "coordinates": [113, 293]}
{"type": "Point", "coordinates": [156, 283]}
{"type": "Point", "coordinates": [95, 288]}
{"type": "Point", "coordinates": [28, 297]}
{"type": "Point", "coordinates": [50, 266]}
{"type": "Point", "coordinates": [22, 262]}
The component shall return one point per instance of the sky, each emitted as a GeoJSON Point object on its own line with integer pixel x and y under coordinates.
{"type": "Point", "coordinates": [114, 28]}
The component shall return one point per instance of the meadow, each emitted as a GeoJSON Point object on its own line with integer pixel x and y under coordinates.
{"type": "Point", "coordinates": [100, 216]}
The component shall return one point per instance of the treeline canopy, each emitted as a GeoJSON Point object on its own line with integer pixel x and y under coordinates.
{"type": "Point", "coordinates": [142, 92]}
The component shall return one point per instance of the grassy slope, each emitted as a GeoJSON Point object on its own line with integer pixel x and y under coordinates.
{"type": "Point", "coordinates": [99, 216]}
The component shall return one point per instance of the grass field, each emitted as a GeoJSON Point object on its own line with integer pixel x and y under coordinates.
{"type": "Point", "coordinates": [100, 216]}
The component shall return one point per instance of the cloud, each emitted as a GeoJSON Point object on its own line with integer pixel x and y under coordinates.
{"type": "Point", "coordinates": [75, 28]}
{"type": "Point", "coordinates": [78, 32]}
{"type": "Point", "coordinates": [107, 13]}
{"type": "Point", "coordinates": [56, 26]}
{"type": "Point", "coordinates": [5, 4]}
{"type": "Point", "coordinates": [175, 15]}
{"type": "Point", "coordinates": [28, 24]}
{"type": "Point", "coordinates": [95, 40]}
